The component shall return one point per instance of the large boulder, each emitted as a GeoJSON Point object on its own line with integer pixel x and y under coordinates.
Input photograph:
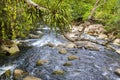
{"type": "Point", "coordinates": [8, 48]}
{"type": "Point", "coordinates": [67, 64]}
{"type": "Point", "coordinates": [58, 72]}
{"type": "Point", "coordinates": [72, 57]}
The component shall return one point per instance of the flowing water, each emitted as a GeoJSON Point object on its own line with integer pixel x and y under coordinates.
{"type": "Point", "coordinates": [91, 65]}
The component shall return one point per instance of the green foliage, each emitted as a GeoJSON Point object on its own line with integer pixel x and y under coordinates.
{"type": "Point", "coordinates": [17, 18]}
{"type": "Point", "coordinates": [109, 14]}
{"type": "Point", "coordinates": [58, 14]}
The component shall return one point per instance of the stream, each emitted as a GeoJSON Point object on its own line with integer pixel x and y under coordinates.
{"type": "Point", "coordinates": [89, 65]}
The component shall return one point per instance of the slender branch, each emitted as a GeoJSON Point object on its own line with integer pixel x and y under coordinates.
{"type": "Point", "coordinates": [95, 7]}
{"type": "Point", "coordinates": [30, 2]}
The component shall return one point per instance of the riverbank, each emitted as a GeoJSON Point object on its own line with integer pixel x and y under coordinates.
{"type": "Point", "coordinates": [54, 58]}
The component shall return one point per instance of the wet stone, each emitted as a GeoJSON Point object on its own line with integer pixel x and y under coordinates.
{"type": "Point", "coordinates": [50, 45]}
{"type": "Point", "coordinates": [31, 78]}
{"type": "Point", "coordinates": [63, 51]}
{"type": "Point", "coordinates": [58, 72]}
{"type": "Point", "coordinates": [72, 57]}
{"type": "Point", "coordinates": [67, 64]}
{"type": "Point", "coordinates": [18, 74]}
{"type": "Point", "coordinates": [8, 73]}
{"type": "Point", "coordinates": [70, 45]}
{"type": "Point", "coordinates": [118, 51]}
{"type": "Point", "coordinates": [117, 71]}
{"type": "Point", "coordinates": [41, 62]}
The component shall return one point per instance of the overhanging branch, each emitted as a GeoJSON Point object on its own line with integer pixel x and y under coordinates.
{"type": "Point", "coordinates": [31, 3]}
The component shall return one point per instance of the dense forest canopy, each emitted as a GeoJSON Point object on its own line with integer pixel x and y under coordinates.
{"type": "Point", "coordinates": [18, 17]}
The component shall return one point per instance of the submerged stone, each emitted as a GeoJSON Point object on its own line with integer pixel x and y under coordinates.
{"type": "Point", "coordinates": [67, 64]}
{"type": "Point", "coordinates": [58, 72]}
{"type": "Point", "coordinates": [41, 62]}
{"type": "Point", "coordinates": [31, 78]}
{"type": "Point", "coordinates": [72, 57]}
{"type": "Point", "coordinates": [63, 51]}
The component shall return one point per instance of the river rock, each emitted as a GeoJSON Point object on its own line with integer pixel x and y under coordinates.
{"type": "Point", "coordinates": [41, 62]}
{"type": "Point", "coordinates": [67, 64]}
{"type": "Point", "coordinates": [33, 36]}
{"type": "Point", "coordinates": [116, 42]}
{"type": "Point", "coordinates": [62, 51]}
{"type": "Point", "coordinates": [118, 51]}
{"type": "Point", "coordinates": [91, 46]}
{"type": "Point", "coordinates": [70, 45]}
{"type": "Point", "coordinates": [72, 57]}
{"type": "Point", "coordinates": [50, 44]}
{"type": "Point", "coordinates": [31, 78]}
{"type": "Point", "coordinates": [94, 29]}
{"type": "Point", "coordinates": [102, 36]}
{"type": "Point", "coordinates": [18, 74]}
{"type": "Point", "coordinates": [8, 73]}
{"type": "Point", "coordinates": [117, 71]}
{"type": "Point", "coordinates": [58, 72]}
{"type": "Point", "coordinates": [9, 48]}
{"type": "Point", "coordinates": [39, 32]}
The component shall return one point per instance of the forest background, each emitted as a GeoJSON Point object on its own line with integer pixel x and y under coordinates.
{"type": "Point", "coordinates": [19, 17]}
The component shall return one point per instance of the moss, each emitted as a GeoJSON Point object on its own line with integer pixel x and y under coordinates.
{"type": "Point", "coordinates": [8, 73]}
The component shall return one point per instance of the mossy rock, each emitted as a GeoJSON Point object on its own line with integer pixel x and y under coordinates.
{"type": "Point", "coordinates": [8, 48]}
{"type": "Point", "coordinates": [67, 64]}
{"type": "Point", "coordinates": [41, 62]}
{"type": "Point", "coordinates": [58, 72]}
{"type": "Point", "coordinates": [72, 57]}
{"type": "Point", "coordinates": [8, 73]}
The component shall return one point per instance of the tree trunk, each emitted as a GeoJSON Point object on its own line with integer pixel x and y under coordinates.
{"type": "Point", "coordinates": [93, 10]}
{"type": "Point", "coordinates": [95, 7]}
